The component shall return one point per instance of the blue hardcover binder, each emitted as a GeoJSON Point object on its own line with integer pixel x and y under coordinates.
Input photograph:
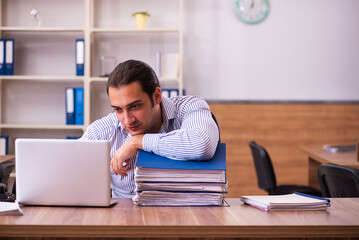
{"type": "Point", "coordinates": [80, 57]}
{"type": "Point", "coordinates": [79, 106]}
{"type": "Point", "coordinates": [4, 141]}
{"type": "Point", "coordinates": [70, 106]}
{"type": "Point", "coordinates": [150, 160]}
{"type": "Point", "coordinates": [2, 56]}
{"type": "Point", "coordinates": [9, 57]}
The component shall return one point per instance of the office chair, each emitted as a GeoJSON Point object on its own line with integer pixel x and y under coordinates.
{"type": "Point", "coordinates": [6, 168]}
{"type": "Point", "coordinates": [219, 132]}
{"type": "Point", "coordinates": [338, 181]}
{"type": "Point", "coordinates": [266, 176]}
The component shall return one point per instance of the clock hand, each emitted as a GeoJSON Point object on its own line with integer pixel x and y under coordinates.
{"type": "Point", "coordinates": [252, 4]}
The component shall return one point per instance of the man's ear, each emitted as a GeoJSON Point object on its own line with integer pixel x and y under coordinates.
{"type": "Point", "coordinates": [157, 96]}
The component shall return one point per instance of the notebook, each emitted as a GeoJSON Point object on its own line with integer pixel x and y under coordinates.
{"type": "Point", "coordinates": [287, 202]}
{"type": "Point", "coordinates": [62, 172]}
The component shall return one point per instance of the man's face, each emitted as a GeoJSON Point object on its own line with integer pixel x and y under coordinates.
{"type": "Point", "coordinates": [134, 109]}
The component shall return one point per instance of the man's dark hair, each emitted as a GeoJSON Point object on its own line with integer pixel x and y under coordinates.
{"type": "Point", "coordinates": [134, 71]}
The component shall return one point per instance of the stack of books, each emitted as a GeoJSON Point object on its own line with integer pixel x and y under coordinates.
{"type": "Point", "coordinates": [163, 181]}
{"type": "Point", "coordinates": [287, 202]}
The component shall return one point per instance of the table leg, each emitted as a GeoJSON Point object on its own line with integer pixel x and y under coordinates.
{"type": "Point", "coordinates": [312, 174]}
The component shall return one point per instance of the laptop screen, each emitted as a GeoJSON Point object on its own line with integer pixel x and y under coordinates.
{"type": "Point", "coordinates": [62, 172]}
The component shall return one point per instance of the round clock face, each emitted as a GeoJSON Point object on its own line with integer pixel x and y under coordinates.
{"type": "Point", "coordinates": [252, 11]}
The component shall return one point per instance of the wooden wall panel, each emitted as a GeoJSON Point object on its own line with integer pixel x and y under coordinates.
{"type": "Point", "coordinates": [281, 129]}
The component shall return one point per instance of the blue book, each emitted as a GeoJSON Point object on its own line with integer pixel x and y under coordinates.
{"type": "Point", "coordinates": [79, 106]}
{"type": "Point", "coordinates": [80, 57]}
{"type": "Point", "coordinates": [154, 168]}
{"type": "Point", "coordinates": [70, 106]}
{"type": "Point", "coordinates": [9, 57]}
{"type": "Point", "coordinates": [2, 56]}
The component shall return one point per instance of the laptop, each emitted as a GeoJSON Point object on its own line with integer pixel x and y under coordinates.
{"type": "Point", "coordinates": [62, 172]}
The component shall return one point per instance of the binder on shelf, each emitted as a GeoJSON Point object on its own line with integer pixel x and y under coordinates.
{"type": "Point", "coordinates": [158, 64]}
{"type": "Point", "coordinates": [79, 105]}
{"type": "Point", "coordinates": [4, 142]}
{"type": "Point", "coordinates": [2, 56]}
{"type": "Point", "coordinates": [80, 57]}
{"type": "Point", "coordinates": [171, 92]}
{"type": "Point", "coordinates": [9, 57]}
{"type": "Point", "coordinates": [170, 65]}
{"type": "Point", "coordinates": [73, 137]}
{"type": "Point", "coordinates": [70, 106]}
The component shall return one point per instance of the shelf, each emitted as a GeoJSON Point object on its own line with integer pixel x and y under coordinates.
{"type": "Point", "coordinates": [117, 30]}
{"type": "Point", "coordinates": [98, 79]}
{"type": "Point", "coordinates": [43, 78]}
{"type": "Point", "coordinates": [40, 29]}
{"type": "Point", "coordinates": [161, 79]}
{"type": "Point", "coordinates": [42, 126]}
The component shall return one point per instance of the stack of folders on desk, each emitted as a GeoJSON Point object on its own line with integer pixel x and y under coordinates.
{"type": "Point", "coordinates": [287, 202]}
{"type": "Point", "coordinates": [163, 181]}
{"type": "Point", "coordinates": [75, 106]}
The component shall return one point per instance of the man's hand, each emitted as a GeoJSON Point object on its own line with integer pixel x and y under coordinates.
{"type": "Point", "coordinates": [120, 161]}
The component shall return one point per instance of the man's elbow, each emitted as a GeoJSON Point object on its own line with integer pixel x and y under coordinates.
{"type": "Point", "coordinates": [206, 150]}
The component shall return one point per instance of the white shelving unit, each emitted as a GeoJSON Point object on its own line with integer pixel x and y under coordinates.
{"type": "Point", "coordinates": [33, 99]}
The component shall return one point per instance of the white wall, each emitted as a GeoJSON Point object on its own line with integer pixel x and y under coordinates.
{"type": "Point", "coordinates": [304, 50]}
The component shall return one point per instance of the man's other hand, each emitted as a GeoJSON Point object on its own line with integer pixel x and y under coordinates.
{"type": "Point", "coordinates": [120, 162]}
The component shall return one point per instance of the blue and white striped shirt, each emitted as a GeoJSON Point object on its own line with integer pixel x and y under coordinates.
{"type": "Point", "coordinates": [188, 132]}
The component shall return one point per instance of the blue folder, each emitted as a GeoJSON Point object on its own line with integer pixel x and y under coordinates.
{"type": "Point", "coordinates": [80, 57]}
{"type": "Point", "coordinates": [4, 142]}
{"type": "Point", "coordinates": [2, 56]}
{"type": "Point", "coordinates": [9, 57]}
{"type": "Point", "coordinates": [70, 106]}
{"type": "Point", "coordinates": [79, 106]}
{"type": "Point", "coordinates": [150, 160]}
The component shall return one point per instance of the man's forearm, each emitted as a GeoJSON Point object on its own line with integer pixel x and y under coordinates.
{"type": "Point", "coordinates": [136, 141]}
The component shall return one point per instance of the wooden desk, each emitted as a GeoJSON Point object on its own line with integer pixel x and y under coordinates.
{"type": "Point", "coordinates": [4, 158]}
{"type": "Point", "coordinates": [126, 220]}
{"type": "Point", "coordinates": [318, 156]}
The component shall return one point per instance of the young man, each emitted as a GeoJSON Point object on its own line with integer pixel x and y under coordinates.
{"type": "Point", "coordinates": [181, 128]}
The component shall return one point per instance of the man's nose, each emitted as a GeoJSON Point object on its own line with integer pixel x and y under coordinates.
{"type": "Point", "coordinates": [128, 118]}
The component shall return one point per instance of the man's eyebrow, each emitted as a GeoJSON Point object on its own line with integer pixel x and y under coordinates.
{"type": "Point", "coordinates": [128, 105]}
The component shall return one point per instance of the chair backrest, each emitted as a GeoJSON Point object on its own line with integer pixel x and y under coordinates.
{"type": "Point", "coordinates": [264, 169]}
{"type": "Point", "coordinates": [6, 168]}
{"type": "Point", "coordinates": [219, 131]}
{"type": "Point", "coordinates": [338, 181]}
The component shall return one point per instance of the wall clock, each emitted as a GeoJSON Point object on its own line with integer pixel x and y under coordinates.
{"type": "Point", "coordinates": [252, 11]}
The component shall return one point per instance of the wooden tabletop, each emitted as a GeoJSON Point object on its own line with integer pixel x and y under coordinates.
{"type": "Point", "coordinates": [127, 220]}
{"type": "Point", "coordinates": [322, 156]}
{"type": "Point", "coordinates": [4, 158]}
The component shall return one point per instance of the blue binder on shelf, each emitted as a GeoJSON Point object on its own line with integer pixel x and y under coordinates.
{"type": "Point", "coordinates": [80, 57]}
{"type": "Point", "coordinates": [4, 142]}
{"type": "Point", "coordinates": [70, 106]}
{"type": "Point", "coordinates": [171, 92]}
{"type": "Point", "coordinates": [2, 56]}
{"type": "Point", "coordinates": [79, 106]}
{"type": "Point", "coordinates": [9, 57]}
